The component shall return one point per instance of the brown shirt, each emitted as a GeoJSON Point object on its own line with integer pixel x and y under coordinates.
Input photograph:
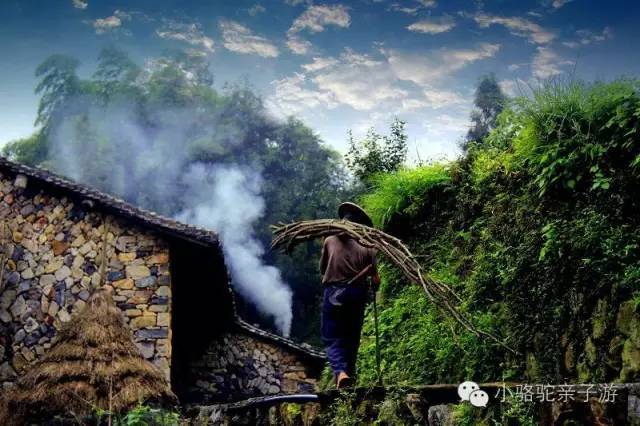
{"type": "Point", "coordinates": [343, 258]}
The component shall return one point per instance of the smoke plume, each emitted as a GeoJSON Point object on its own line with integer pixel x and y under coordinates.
{"type": "Point", "coordinates": [149, 161]}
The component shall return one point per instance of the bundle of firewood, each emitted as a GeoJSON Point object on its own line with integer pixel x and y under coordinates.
{"type": "Point", "coordinates": [287, 236]}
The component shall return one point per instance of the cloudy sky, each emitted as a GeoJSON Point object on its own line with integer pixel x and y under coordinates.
{"type": "Point", "coordinates": [338, 65]}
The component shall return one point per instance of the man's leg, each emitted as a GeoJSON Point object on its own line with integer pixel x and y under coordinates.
{"type": "Point", "coordinates": [356, 309]}
{"type": "Point", "coordinates": [332, 330]}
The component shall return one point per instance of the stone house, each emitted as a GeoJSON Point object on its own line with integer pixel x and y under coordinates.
{"type": "Point", "coordinates": [169, 279]}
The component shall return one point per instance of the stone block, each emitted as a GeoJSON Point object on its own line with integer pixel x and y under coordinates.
{"type": "Point", "coordinates": [148, 319]}
{"type": "Point", "coordinates": [164, 319]}
{"type": "Point", "coordinates": [123, 284]}
{"type": "Point", "coordinates": [137, 272]}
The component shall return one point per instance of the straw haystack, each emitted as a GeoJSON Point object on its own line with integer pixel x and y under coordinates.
{"type": "Point", "coordinates": [94, 364]}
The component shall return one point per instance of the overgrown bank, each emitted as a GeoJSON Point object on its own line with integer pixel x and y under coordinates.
{"type": "Point", "coordinates": [537, 230]}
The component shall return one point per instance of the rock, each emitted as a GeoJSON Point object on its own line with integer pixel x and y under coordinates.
{"type": "Point", "coordinates": [158, 308]}
{"type": "Point", "coordinates": [126, 257]}
{"type": "Point", "coordinates": [59, 247]}
{"type": "Point", "coordinates": [132, 313]}
{"type": "Point", "coordinates": [144, 321]}
{"type": "Point", "coordinates": [7, 372]}
{"type": "Point", "coordinates": [47, 280]}
{"type": "Point", "coordinates": [164, 290]}
{"type": "Point", "coordinates": [113, 276]}
{"type": "Point", "coordinates": [27, 274]}
{"type": "Point", "coordinates": [7, 297]}
{"type": "Point", "coordinates": [440, 415]}
{"type": "Point", "coordinates": [13, 278]}
{"type": "Point", "coordinates": [19, 308]}
{"type": "Point", "coordinates": [20, 335]}
{"type": "Point", "coordinates": [63, 273]}
{"type": "Point", "coordinates": [53, 308]}
{"type": "Point", "coordinates": [146, 282]}
{"type": "Point", "coordinates": [161, 333]}
{"type": "Point", "coordinates": [164, 319]}
{"type": "Point", "coordinates": [79, 241]}
{"type": "Point", "coordinates": [124, 284]}
{"type": "Point", "coordinates": [137, 271]}
{"type": "Point", "coordinates": [17, 237]}
{"type": "Point", "coordinates": [64, 315]}
{"type": "Point", "coordinates": [30, 325]}
{"type": "Point", "coordinates": [84, 295]}
{"type": "Point", "coordinates": [147, 349]}
{"type": "Point", "coordinates": [158, 259]}
{"type": "Point", "coordinates": [126, 243]}
{"type": "Point", "coordinates": [54, 265]}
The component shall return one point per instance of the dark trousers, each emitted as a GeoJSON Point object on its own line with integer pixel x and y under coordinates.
{"type": "Point", "coordinates": [341, 323]}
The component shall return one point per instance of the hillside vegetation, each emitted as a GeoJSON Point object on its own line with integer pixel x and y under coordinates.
{"type": "Point", "coordinates": [537, 229]}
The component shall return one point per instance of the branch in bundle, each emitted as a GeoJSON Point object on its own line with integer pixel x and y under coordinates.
{"type": "Point", "coordinates": [287, 236]}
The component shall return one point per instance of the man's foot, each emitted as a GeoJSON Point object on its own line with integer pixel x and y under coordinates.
{"type": "Point", "coordinates": [343, 380]}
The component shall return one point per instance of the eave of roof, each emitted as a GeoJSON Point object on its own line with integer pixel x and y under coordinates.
{"type": "Point", "coordinates": [114, 205]}
{"type": "Point", "coordinates": [300, 348]}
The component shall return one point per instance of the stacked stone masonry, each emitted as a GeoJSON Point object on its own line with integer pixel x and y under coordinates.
{"type": "Point", "coordinates": [238, 366]}
{"type": "Point", "coordinates": [53, 251]}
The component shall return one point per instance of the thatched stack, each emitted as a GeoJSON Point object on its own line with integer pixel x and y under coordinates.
{"type": "Point", "coordinates": [94, 364]}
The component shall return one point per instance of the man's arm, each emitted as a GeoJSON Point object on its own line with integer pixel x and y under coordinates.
{"type": "Point", "coordinates": [324, 257]}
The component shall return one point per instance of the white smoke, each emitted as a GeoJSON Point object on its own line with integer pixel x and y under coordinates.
{"type": "Point", "coordinates": [229, 201]}
{"type": "Point", "coordinates": [110, 149]}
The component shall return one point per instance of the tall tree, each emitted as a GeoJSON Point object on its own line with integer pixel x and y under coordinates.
{"type": "Point", "coordinates": [489, 102]}
{"type": "Point", "coordinates": [58, 82]}
{"type": "Point", "coordinates": [377, 153]}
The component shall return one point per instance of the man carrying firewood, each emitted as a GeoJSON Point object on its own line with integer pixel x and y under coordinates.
{"type": "Point", "coordinates": [345, 265]}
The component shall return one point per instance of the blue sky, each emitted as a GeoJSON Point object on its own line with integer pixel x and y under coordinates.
{"type": "Point", "coordinates": [337, 65]}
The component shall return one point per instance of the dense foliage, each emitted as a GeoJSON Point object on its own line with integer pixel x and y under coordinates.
{"type": "Point", "coordinates": [118, 129]}
{"type": "Point", "coordinates": [537, 228]}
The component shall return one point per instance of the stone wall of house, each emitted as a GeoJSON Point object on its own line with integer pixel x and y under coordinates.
{"type": "Point", "coordinates": [239, 366]}
{"type": "Point", "coordinates": [53, 248]}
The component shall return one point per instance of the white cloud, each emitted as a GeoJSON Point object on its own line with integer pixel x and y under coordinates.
{"type": "Point", "coordinates": [298, 45]}
{"type": "Point", "coordinates": [518, 26]}
{"type": "Point", "coordinates": [428, 3]}
{"type": "Point", "coordinates": [397, 7]}
{"type": "Point", "coordinates": [557, 4]}
{"type": "Point", "coordinates": [188, 33]}
{"type": "Point", "coordinates": [314, 20]}
{"type": "Point", "coordinates": [238, 38]}
{"type": "Point", "coordinates": [512, 88]}
{"type": "Point", "coordinates": [319, 63]}
{"type": "Point", "coordinates": [433, 25]}
{"type": "Point", "coordinates": [80, 4]}
{"type": "Point", "coordinates": [424, 70]}
{"type": "Point", "coordinates": [293, 2]}
{"type": "Point", "coordinates": [367, 83]}
{"type": "Point", "coordinates": [359, 81]}
{"type": "Point", "coordinates": [587, 37]}
{"type": "Point", "coordinates": [547, 63]}
{"type": "Point", "coordinates": [256, 9]}
{"type": "Point", "coordinates": [292, 96]}
{"type": "Point", "coordinates": [111, 23]}
{"type": "Point", "coordinates": [436, 98]}
{"type": "Point", "coordinates": [445, 123]}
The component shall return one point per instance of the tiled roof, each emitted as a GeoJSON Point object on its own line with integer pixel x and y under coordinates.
{"type": "Point", "coordinates": [114, 205]}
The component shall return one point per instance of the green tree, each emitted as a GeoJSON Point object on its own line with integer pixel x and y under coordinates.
{"type": "Point", "coordinates": [377, 153]}
{"type": "Point", "coordinates": [58, 82]}
{"type": "Point", "coordinates": [489, 101]}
